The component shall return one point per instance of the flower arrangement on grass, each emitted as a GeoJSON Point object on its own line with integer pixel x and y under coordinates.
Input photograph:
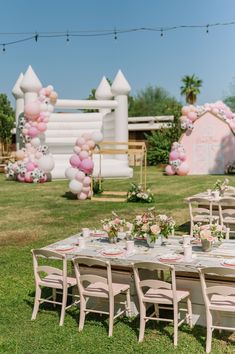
{"type": "Point", "coordinates": [221, 186]}
{"type": "Point", "coordinates": [212, 233]}
{"type": "Point", "coordinates": [137, 193]}
{"type": "Point", "coordinates": [113, 225]}
{"type": "Point", "coordinates": [151, 225]}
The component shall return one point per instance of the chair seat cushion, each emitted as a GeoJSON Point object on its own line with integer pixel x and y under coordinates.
{"type": "Point", "coordinates": [222, 303]}
{"type": "Point", "coordinates": [56, 281]}
{"type": "Point", "coordinates": [100, 289]}
{"type": "Point", "coordinates": [164, 296]}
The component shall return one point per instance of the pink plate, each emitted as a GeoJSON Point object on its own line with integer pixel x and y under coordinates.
{"type": "Point", "coordinates": [64, 249]}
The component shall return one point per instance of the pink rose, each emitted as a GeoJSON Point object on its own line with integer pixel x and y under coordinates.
{"type": "Point", "coordinates": [155, 229]}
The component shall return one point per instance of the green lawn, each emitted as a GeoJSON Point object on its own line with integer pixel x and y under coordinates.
{"type": "Point", "coordinates": [36, 215]}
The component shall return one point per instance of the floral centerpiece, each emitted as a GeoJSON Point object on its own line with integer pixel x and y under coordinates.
{"type": "Point", "coordinates": [113, 225]}
{"type": "Point", "coordinates": [166, 224]}
{"type": "Point", "coordinates": [221, 186]}
{"type": "Point", "coordinates": [209, 234]}
{"type": "Point", "coordinates": [150, 226]}
{"type": "Point", "coordinates": [137, 193]}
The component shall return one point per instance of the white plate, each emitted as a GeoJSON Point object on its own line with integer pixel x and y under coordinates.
{"type": "Point", "coordinates": [98, 233]}
{"type": "Point", "coordinates": [64, 248]}
{"type": "Point", "coordinates": [112, 251]}
{"type": "Point", "coordinates": [229, 262]}
{"type": "Point", "coordinates": [170, 257]}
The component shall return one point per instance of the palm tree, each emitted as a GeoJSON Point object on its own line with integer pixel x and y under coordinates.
{"type": "Point", "coordinates": [191, 88]}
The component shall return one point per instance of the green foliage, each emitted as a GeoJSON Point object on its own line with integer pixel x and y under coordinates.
{"type": "Point", "coordinates": [98, 186]}
{"type": "Point", "coordinates": [230, 101]}
{"type": "Point", "coordinates": [190, 88]}
{"type": "Point", "coordinates": [155, 101]}
{"type": "Point", "coordinates": [6, 120]}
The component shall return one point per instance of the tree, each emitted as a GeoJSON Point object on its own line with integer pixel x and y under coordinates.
{"type": "Point", "coordinates": [154, 101]}
{"type": "Point", "coordinates": [7, 122]}
{"type": "Point", "coordinates": [230, 99]}
{"type": "Point", "coordinates": [190, 88]}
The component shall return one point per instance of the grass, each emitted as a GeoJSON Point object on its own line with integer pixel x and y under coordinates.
{"type": "Point", "coordinates": [35, 215]}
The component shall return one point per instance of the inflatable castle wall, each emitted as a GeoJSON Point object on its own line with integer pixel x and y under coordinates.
{"type": "Point", "coordinates": [66, 123]}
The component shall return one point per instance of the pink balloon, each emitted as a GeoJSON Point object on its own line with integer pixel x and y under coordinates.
{"type": "Point", "coordinates": [87, 165]}
{"type": "Point", "coordinates": [28, 178]}
{"type": "Point", "coordinates": [83, 155]}
{"type": "Point", "coordinates": [80, 176]}
{"type": "Point", "coordinates": [185, 110]}
{"type": "Point", "coordinates": [38, 155]}
{"type": "Point", "coordinates": [183, 169]}
{"type": "Point", "coordinates": [174, 155]}
{"type": "Point", "coordinates": [182, 156]}
{"type": "Point", "coordinates": [30, 166]}
{"type": "Point", "coordinates": [87, 181]}
{"type": "Point", "coordinates": [75, 161]}
{"type": "Point", "coordinates": [82, 196]}
{"type": "Point", "coordinates": [86, 190]}
{"type": "Point", "coordinates": [169, 170]}
{"type": "Point", "coordinates": [42, 127]}
{"type": "Point", "coordinates": [25, 131]}
{"type": "Point", "coordinates": [32, 110]}
{"type": "Point", "coordinates": [85, 147]}
{"type": "Point", "coordinates": [86, 136]}
{"type": "Point", "coordinates": [77, 149]}
{"type": "Point", "coordinates": [80, 141]}
{"type": "Point", "coordinates": [43, 179]}
{"type": "Point", "coordinates": [20, 154]}
{"type": "Point", "coordinates": [192, 116]}
{"type": "Point", "coordinates": [32, 132]}
{"type": "Point", "coordinates": [21, 178]}
{"type": "Point", "coordinates": [91, 144]}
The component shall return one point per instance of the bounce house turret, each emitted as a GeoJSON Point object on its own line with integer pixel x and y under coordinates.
{"type": "Point", "coordinates": [19, 110]}
{"type": "Point", "coordinates": [120, 89]}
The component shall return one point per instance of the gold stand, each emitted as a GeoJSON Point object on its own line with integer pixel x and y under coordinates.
{"type": "Point", "coordinates": [120, 148]}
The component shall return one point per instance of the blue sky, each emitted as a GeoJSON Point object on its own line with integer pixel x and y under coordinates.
{"type": "Point", "coordinates": [145, 58]}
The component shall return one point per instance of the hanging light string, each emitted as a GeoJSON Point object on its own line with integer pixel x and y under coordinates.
{"type": "Point", "coordinates": [34, 36]}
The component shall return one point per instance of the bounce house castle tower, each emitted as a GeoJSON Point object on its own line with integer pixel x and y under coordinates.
{"type": "Point", "coordinates": [67, 123]}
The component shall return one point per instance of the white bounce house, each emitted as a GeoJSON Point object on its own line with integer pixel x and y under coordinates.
{"type": "Point", "coordinates": [67, 123]}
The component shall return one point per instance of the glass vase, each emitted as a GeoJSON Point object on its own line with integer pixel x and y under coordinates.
{"type": "Point", "coordinates": [153, 243]}
{"type": "Point", "coordinates": [206, 245]}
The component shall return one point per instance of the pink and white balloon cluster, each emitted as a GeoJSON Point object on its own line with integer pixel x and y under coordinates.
{"type": "Point", "coordinates": [82, 165]}
{"type": "Point", "coordinates": [177, 161]}
{"type": "Point", "coordinates": [34, 161]}
{"type": "Point", "coordinates": [191, 113]}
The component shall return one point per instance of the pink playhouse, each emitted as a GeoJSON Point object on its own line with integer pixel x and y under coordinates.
{"type": "Point", "coordinates": [208, 144]}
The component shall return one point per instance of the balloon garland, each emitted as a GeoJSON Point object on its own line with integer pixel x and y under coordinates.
{"type": "Point", "coordinates": [191, 113]}
{"type": "Point", "coordinates": [82, 165]}
{"type": "Point", "coordinates": [34, 161]}
{"type": "Point", "coordinates": [177, 164]}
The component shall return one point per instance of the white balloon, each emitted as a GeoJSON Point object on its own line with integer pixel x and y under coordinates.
{"type": "Point", "coordinates": [71, 172]}
{"type": "Point", "coordinates": [75, 186]}
{"type": "Point", "coordinates": [97, 136]}
{"type": "Point", "coordinates": [46, 163]}
{"type": "Point", "coordinates": [35, 142]}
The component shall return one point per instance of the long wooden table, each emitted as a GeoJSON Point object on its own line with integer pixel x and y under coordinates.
{"type": "Point", "coordinates": [187, 274]}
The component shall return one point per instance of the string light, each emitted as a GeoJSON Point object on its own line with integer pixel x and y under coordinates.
{"type": "Point", "coordinates": [102, 32]}
{"type": "Point", "coordinates": [115, 34]}
{"type": "Point", "coordinates": [67, 37]}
